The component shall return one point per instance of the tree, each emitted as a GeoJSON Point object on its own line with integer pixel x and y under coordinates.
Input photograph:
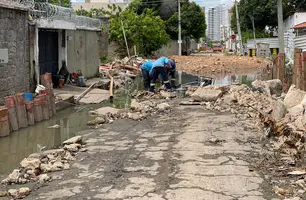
{"type": "Point", "coordinates": [147, 31]}
{"type": "Point", "coordinates": [264, 12]}
{"type": "Point", "coordinates": [192, 22]}
{"type": "Point", "coordinates": [165, 8]}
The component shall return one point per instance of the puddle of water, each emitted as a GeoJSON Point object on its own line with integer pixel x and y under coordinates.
{"type": "Point", "coordinates": [72, 120]}
{"type": "Point", "coordinates": [224, 80]}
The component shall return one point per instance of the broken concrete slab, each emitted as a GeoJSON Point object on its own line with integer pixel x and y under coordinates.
{"type": "Point", "coordinates": [294, 97]}
{"type": "Point", "coordinates": [74, 140]}
{"type": "Point", "coordinates": [206, 94]}
{"type": "Point", "coordinates": [296, 110]}
{"type": "Point", "coordinates": [270, 87]}
{"type": "Point", "coordinates": [104, 111]}
{"type": "Point", "coordinates": [279, 110]}
{"type": "Point", "coordinates": [95, 96]}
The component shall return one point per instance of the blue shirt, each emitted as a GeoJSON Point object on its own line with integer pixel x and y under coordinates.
{"type": "Point", "coordinates": [147, 65]}
{"type": "Point", "coordinates": [161, 62]}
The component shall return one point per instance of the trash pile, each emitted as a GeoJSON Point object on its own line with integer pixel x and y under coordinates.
{"type": "Point", "coordinates": [281, 116]}
{"type": "Point", "coordinates": [35, 167]}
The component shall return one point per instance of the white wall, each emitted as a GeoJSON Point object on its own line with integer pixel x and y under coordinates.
{"type": "Point", "coordinates": [293, 20]}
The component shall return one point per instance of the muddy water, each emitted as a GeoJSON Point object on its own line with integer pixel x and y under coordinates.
{"type": "Point", "coordinates": [29, 140]}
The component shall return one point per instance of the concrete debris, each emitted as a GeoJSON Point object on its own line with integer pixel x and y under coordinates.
{"type": "Point", "coordinates": [72, 147]}
{"type": "Point", "coordinates": [206, 94]}
{"type": "Point", "coordinates": [3, 193]}
{"type": "Point", "coordinates": [104, 111]}
{"type": "Point", "coordinates": [74, 140]}
{"type": "Point", "coordinates": [19, 193]}
{"type": "Point", "coordinates": [294, 97]}
{"type": "Point", "coordinates": [30, 163]}
{"type": "Point", "coordinates": [163, 106]}
{"type": "Point", "coordinates": [297, 173]}
{"type": "Point", "coordinates": [43, 178]}
{"type": "Point", "coordinates": [167, 95]}
{"type": "Point", "coordinates": [279, 110]}
{"type": "Point", "coordinates": [281, 191]}
{"type": "Point", "coordinates": [97, 120]}
{"type": "Point", "coordinates": [270, 87]}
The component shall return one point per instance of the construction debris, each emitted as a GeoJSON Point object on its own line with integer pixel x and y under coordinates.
{"type": "Point", "coordinates": [35, 167]}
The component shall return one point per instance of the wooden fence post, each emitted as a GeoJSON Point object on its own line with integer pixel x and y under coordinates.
{"type": "Point", "coordinates": [303, 82]}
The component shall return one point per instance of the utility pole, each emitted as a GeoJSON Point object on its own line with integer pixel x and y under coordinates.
{"type": "Point", "coordinates": [179, 29]}
{"type": "Point", "coordinates": [238, 27]}
{"type": "Point", "coordinates": [126, 44]}
{"type": "Point", "coordinates": [254, 34]}
{"type": "Point", "coordinates": [281, 55]}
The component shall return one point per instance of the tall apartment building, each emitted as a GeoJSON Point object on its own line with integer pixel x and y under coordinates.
{"type": "Point", "coordinates": [216, 19]}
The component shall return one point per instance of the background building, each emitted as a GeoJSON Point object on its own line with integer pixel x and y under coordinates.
{"type": "Point", "coordinates": [216, 18]}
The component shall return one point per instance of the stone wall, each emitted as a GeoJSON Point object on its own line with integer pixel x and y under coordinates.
{"type": "Point", "coordinates": [14, 76]}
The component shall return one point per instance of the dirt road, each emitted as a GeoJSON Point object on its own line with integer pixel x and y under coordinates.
{"type": "Point", "coordinates": [188, 154]}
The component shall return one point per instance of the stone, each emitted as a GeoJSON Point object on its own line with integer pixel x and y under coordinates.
{"type": "Point", "coordinates": [279, 110]}
{"type": "Point", "coordinates": [229, 98]}
{"type": "Point", "coordinates": [294, 97]}
{"type": "Point", "coordinates": [74, 140]}
{"type": "Point", "coordinates": [13, 193]}
{"type": "Point", "coordinates": [275, 86]}
{"type": "Point", "coordinates": [72, 147]}
{"type": "Point", "coordinates": [206, 94]}
{"type": "Point", "coordinates": [135, 105]}
{"type": "Point", "coordinates": [66, 166]}
{"type": "Point", "coordinates": [68, 156]}
{"type": "Point", "coordinates": [3, 193]}
{"type": "Point", "coordinates": [135, 116]}
{"type": "Point", "coordinates": [30, 163]}
{"type": "Point", "coordinates": [57, 166]}
{"type": "Point", "coordinates": [97, 120]}
{"type": "Point", "coordinates": [55, 152]}
{"type": "Point", "coordinates": [24, 191]}
{"type": "Point", "coordinates": [43, 178]}
{"type": "Point", "coordinates": [163, 106]}
{"type": "Point", "coordinates": [104, 111]}
{"type": "Point", "coordinates": [14, 176]}
{"type": "Point", "coordinates": [296, 110]}
{"type": "Point", "coordinates": [166, 95]}
{"type": "Point", "coordinates": [300, 123]}
{"type": "Point", "coordinates": [103, 84]}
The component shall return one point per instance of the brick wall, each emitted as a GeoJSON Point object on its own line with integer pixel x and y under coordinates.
{"type": "Point", "coordinates": [14, 76]}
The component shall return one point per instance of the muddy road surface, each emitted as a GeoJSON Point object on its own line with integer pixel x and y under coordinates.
{"type": "Point", "coordinates": [187, 154]}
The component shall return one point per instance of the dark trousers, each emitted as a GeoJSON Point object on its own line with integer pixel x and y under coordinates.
{"type": "Point", "coordinates": [171, 75]}
{"type": "Point", "coordinates": [146, 78]}
{"type": "Point", "coordinates": [155, 73]}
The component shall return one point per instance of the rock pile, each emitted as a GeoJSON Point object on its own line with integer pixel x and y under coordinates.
{"type": "Point", "coordinates": [35, 167]}
{"type": "Point", "coordinates": [283, 115]}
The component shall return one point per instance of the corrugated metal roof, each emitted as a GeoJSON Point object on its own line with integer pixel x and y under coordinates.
{"type": "Point", "coordinates": [302, 25]}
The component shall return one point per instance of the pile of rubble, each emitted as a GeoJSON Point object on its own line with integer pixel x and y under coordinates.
{"type": "Point", "coordinates": [282, 117]}
{"type": "Point", "coordinates": [35, 167]}
{"type": "Point", "coordinates": [142, 106]}
{"type": "Point", "coordinates": [264, 101]}
{"type": "Point", "coordinates": [218, 64]}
